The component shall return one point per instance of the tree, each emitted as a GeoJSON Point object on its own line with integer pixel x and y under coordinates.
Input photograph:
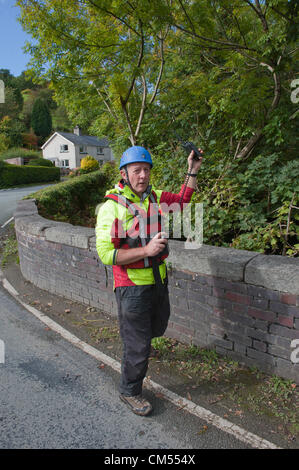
{"type": "Point", "coordinates": [10, 107]}
{"type": "Point", "coordinates": [112, 52]}
{"type": "Point", "coordinates": [218, 72]}
{"type": "Point", "coordinates": [41, 120]}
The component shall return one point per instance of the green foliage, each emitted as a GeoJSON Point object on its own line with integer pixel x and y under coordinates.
{"type": "Point", "coordinates": [64, 200]}
{"type": "Point", "coordinates": [14, 175]}
{"type": "Point", "coordinates": [41, 162]}
{"type": "Point", "coordinates": [10, 251]}
{"type": "Point", "coordinates": [12, 129]}
{"type": "Point", "coordinates": [41, 120]}
{"type": "Point", "coordinates": [217, 73]}
{"type": "Point", "coordinates": [16, 152]}
{"type": "Point", "coordinates": [4, 143]}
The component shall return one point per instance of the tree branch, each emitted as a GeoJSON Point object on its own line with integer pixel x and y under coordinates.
{"type": "Point", "coordinates": [101, 94]}
{"type": "Point", "coordinates": [187, 16]}
{"type": "Point", "coordinates": [114, 16]}
{"type": "Point", "coordinates": [160, 72]}
{"type": "Point", "coordinates": [230, 45]}
{"type": "Point", "coordinates": [140, 57]}
{"type": "Point", "coordinates": [259, 133]}
{"type": "Point", "coordinates": [129, 124]}
{"type": "Point", "coordinates": [257, 9]}
{"type": "Point", "coordinates": [143, 107]}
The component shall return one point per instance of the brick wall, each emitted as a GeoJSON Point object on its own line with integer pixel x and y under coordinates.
{"type": "Point", "coordinates": [243, 304]}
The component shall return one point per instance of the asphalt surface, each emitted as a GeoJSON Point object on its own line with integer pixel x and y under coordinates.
{"type": "Point", "coordinates": [55, 396]}
{"type": "Point", "coordinates": [10, 197]}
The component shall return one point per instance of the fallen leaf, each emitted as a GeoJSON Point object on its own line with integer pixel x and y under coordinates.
{"type": "Point", "coordinates": [204, 429]}
{"type": "Point", "coordinates": [159, 395]}
{"type": "Point", "coordinates": [49, 304]}
{"type": "Point", "coordinates": [189, 396]}
{"type": "Point", "coordinates": [67, 310]}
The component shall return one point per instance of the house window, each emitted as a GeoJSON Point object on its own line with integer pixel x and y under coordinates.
{"type": "Point", "coordinates": [100, 150]}
{"type": "Point", "coordinates": [83, 149]}
{"type": "Point", "coordinates": [65, 163]}
{"type": "Point", "coordinates": [64, 148]}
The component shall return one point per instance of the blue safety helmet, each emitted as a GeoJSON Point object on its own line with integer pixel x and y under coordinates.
{"type": "Point", "coordinates": [135, 154]}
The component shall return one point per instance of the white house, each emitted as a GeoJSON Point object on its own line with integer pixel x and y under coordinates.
{"type": "Point", "coordinates": [66, 150]}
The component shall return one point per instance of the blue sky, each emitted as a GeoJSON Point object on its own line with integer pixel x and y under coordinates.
{"type": "Point", "coordinates": [12, 39]}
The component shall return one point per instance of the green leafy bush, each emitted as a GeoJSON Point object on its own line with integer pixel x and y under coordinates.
{"type": "Point", "coordinates": [75, 200]}
{"type": "Point", "coordinates": [41, 162]}
{"type": "Point", "coordinates": [14, 175]}
{"type": "Point", "coordinates": [253, 206]}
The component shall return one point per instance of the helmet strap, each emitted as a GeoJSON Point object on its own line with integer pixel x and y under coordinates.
{"type": "Point", "coordinates": [127, 182]}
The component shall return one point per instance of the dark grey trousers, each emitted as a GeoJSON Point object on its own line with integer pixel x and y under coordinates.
{"type": "Point", "coordinates": [143, 314]}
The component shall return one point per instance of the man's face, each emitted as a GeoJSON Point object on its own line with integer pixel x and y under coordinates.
{"type": "Point", "coordinates": [139, 176]}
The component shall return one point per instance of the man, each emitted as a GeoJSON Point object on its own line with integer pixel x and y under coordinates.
{"type": "Point", "coordinates": [129, 236]}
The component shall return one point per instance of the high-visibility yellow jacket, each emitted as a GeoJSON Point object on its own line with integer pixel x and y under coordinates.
{"type": "Point", "coordinates": [115, 221]}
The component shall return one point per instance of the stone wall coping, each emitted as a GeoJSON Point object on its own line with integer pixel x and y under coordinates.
{"type": "Point", "coordinates": [270, 271]}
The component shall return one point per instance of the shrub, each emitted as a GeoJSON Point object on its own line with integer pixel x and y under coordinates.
{"type": "Point", "coordinates": [75, 198]}
{"type": "Point", "coordinates": [89, 164]}
{"type": "Point", "coordinates": [14, 175]}
{"type": "Point", "coordinates": [41, 162]}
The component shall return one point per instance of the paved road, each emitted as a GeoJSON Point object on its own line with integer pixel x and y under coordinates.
{"type": "Point", "coordinates": [10, 197]}
{"type": "Point", "coordinates": [53, 396]}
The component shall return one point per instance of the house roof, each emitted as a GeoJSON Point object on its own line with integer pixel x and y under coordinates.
{"type": "Point", "coordinates": [80, 139]}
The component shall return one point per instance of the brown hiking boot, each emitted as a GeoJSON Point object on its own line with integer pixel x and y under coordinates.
{"type": "Point", "coordinates": [139, 405]}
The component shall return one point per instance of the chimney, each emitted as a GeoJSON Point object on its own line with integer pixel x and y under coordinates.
{"type": "Point", "coordinates": [77, 130]}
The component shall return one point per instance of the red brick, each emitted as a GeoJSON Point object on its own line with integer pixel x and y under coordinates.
{"type": "Point", "coordinates": [262, 314]}
{"type": "Point", "coordinates": [239, 298]}
{"type": "Point", "coordinates": [286, 321]}
{"type": "Point", "coordinates": [288, 298]}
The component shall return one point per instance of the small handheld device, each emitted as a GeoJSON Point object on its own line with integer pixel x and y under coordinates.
{"type": "Point", "coordinates": [189, 146]}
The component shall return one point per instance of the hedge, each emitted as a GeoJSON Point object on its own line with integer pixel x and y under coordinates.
{"type": "Point", "coordinates": [66, 200]}
{"type": "Point", "coordinates": [14, 175]}
{"type": "Point", "coordinates": [41, 162]}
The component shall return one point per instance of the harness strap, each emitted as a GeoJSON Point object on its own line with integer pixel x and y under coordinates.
{"type": "Point", "coordinates": [136, 213]}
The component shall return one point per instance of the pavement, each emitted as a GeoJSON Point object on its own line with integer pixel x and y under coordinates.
{"type": "Point", "coordinates": [220, 400]}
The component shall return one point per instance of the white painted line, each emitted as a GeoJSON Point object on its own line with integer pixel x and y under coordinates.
{"type": "Point", "coordinates": [7, 222]}
{"type": "Point", "coordinates": [181, 402]}
{"type": "Point", "coordinates": [9, 287]}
